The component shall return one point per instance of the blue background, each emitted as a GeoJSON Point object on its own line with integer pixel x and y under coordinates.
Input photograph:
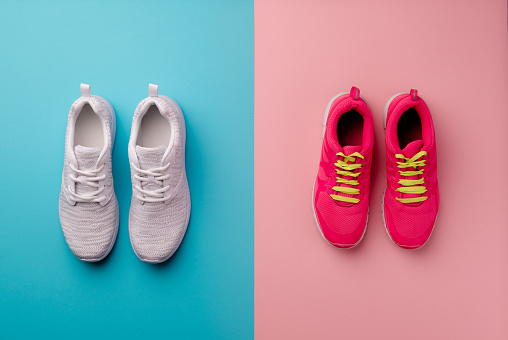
{"type": "Point", "coordinates": [200, 53]}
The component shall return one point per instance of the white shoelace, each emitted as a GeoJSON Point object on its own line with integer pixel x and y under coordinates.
{"type": "Point", "coordinates": [90, 178]}
{"type": "Point", "coordinates": [154, 176]}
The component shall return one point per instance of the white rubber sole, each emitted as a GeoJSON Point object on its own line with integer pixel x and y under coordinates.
{"type": "Point", "coordinates": [185, 184]}
{"type": "Point", "coordinates": [385, 117]}
{"type": "Point", "coordinates": [313, 185]}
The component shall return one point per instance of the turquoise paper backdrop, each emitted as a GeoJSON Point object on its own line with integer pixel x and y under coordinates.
{"type": "Point", "coordinates": [200, 53]}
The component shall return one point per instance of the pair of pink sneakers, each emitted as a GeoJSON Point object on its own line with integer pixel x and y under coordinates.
{"type": "Point", "coordinates": [341, 191]}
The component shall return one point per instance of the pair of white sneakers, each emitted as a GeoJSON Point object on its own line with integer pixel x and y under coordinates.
{"type": "Point", "coordinates": [160, 204]}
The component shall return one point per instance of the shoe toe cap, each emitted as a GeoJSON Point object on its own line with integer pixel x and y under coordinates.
{"type": "Point", "coordinates": [156, 231]}
{"type": "Point", "coordinates": [154, 248]}
{"type": "Point", "coordinates": [409, 228]}
{"type": "Point", "coordinates": [341, 226]}
{"type": "Point", "coordinates": [89, 229]}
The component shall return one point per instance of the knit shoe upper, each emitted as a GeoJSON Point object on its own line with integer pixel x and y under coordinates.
{"type": "Point", "coordinates": [342, 186]}
{"type": "Point", "coordinates": [88, 208]}
{"type": "Point", "coordinates": [411, 199]}
{"type": "Point", "coordinates": [160, 205]}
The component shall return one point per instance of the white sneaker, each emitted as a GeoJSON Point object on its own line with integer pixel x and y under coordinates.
{"type": "Point", "coordinates": [160, 206]}
{"type": "Point", "coordinates": [88, 208]}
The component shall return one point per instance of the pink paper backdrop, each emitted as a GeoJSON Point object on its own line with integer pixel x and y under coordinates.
{"type": "Point", "coordinates": [455, 53]}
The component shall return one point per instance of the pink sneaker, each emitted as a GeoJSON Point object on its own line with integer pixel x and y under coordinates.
{"type": "Point", "coordinates": [341, 191]}
{"type": "Point", "coordinates": [411, 199]}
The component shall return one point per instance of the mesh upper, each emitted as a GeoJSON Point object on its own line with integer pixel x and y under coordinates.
{"type": "Point", "coordinates": [340, 219]}
{"type": "Point", "coordinates": [343, 223]}
{"type": "Point", "coordinates": [410, 224]}
{"type": "Point", "coordinates": [89, 228]}
{"type": "Point", "coordinates": [157, 229]}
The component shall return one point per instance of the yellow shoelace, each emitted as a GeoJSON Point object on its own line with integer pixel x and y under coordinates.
{"type": "Point", "coordinates": [346, 169]}
{"type": "Point", "coordinates": [411, 186]}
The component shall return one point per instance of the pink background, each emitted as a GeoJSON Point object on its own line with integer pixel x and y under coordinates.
{"type": "Point", "coordinates": [455, 54]}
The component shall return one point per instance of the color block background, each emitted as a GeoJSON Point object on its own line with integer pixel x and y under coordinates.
{"type": "Point", "coordinates": [201, 54]}
{"type": "Point", "coordinates": [455, 54]}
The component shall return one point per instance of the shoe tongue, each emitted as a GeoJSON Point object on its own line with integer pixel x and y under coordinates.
{"type": "Point", "coordinates": [350, 149]}
{"type": "Point", "coordinates": [87, 160]}
{"type": "Point", "coordinates": [409, 151]}
{"type": "Point", "coordinates": [412, 148]}
{"type": "Point", "coordinates": [150, 158]}
{"type": "Point", "coordinates": [87, 156]}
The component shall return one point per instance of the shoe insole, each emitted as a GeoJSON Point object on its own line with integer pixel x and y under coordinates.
{"type": "Point", "coordinates": [350, 129]}
{"type": "Point", "coordinates": [88, 129]}
{"type": "Point", "coordinates": [409, 128]}
{"type": "Point", "coordinates": [154, 129]}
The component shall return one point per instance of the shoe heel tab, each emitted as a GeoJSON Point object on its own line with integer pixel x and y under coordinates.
{"type": "Point", "coordinates": [86, 90]}
{"type": "Point", "coordinates": [354, 93]}
{"type": "Point", "coordinates": [414, 94]}
{"type": "Point", "coordinates": [153, 90]}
